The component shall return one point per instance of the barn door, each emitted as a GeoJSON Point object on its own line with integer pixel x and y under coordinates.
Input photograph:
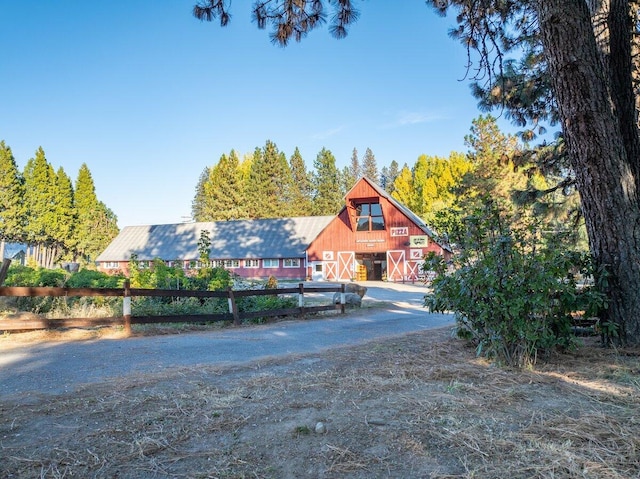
{"type": "Point", "coordinates": [330, 270]}
{"type": "Point", "coordinates": [395, 265]}
{"type": "Point", "coordinates": [345, 265]}
{"type": "Point", "coordinates": [413, 270]}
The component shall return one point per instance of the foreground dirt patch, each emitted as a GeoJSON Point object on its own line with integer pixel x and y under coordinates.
{"type": "Point", "coordinates": [414, 407]}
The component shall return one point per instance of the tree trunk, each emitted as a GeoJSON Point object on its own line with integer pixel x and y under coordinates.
{"type": "Point", "coordinates": [595, 139]}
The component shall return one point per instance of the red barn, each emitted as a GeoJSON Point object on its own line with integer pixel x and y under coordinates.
{"type": "Point", "coordinates": [372, 238]}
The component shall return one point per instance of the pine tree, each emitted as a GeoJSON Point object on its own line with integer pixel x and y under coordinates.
{"type": "Point", "coordinates": [198, 204]}
{"type": "Point", "coordinates": [104, 225]}
{"type": "Point", "coordinates": [222, 191]}
{"type": "Point", "coordinates": [354, 172]}
{"type": "Point", "coordinates": [301, 191]}
{"type": "Point", "coordinates": [86, 209]}
{"type": "Point", "coordinates": [65, 215]}
{"type": "Point", "coordinates": [327, 199]}
{"type": "Point", "coordinates": [270, 183]}
{"type": "Point", "coordinates": [39, 200]}
{"type": "Point", "coordinates": [11, 199]}
{"type": "Point", "coordinates": [369, 166]}
{"type": "Point", "coordinates": [388, 175]}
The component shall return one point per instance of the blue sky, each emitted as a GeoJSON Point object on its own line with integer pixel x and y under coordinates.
{"type": "Point", "coordinates": [147, 96]}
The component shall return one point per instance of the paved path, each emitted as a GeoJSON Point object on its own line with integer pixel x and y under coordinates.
{"type": "Point", "coordinates": [56, 367]}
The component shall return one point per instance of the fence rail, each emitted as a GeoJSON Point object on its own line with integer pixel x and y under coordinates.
{"type": "Point", "coordinates": [127, 293]}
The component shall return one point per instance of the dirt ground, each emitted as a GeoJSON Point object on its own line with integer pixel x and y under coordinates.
{"type": "Point", "coordinates": [418, 406]}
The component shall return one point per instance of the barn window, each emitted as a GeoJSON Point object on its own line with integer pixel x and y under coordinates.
{"type": "Point", "coordinates": [111, 265]}
{"type": "Point", "coordinates": [270, 263]}
{"type": "Point", "coordinates": [251, 263]}
{"type": "Point", "coordinates": [291, 262]}
{"type": "Point", "coordinates": [369, 217]}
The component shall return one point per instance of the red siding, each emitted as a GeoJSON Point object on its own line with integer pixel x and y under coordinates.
{"type": "Point", "coordinates": [340, 237]}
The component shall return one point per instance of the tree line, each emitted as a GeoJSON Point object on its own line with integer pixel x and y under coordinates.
{"type": "Point", "coordinates": [57, 219]}
{"type": "Point", "coordinates": [443, 191]}
{"type": "Point", "coordinates": [265, 184]}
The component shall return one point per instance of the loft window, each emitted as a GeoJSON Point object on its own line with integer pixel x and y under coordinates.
{"type": "Point", "coordinates": [369, 217]}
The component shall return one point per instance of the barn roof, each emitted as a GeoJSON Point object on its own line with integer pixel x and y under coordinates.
{"type": "Point", "coordinates": [260, 238]}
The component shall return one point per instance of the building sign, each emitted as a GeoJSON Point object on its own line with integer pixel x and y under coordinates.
{"type": "Point", "coordinates": [418, 241]}
{"type": "Point", "coordinates": [327, 255]}
{"type": "Point", "coordinates": [415, 254]}
{"type": "Point", "coordinates": [400, 231]}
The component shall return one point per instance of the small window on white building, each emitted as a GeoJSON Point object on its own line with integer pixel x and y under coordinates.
{"type": "Point", "coordinates": [291, 262]}
{"type": "Point", "coordinates": [271, 263]}
{"type": "Point", "coordinates": [251, 263]}
{"type": "Point", "coordinates": [232, 263]}
{"type": "Point", "coordinates": [110, 265]}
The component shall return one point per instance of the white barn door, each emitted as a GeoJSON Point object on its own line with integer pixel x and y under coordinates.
{"type": "Point", "coordinates": [330, 270]}
{"type": "Point", "coordinates": [395, 265]}
{"type": "Point", "coordinates": [346, 260]}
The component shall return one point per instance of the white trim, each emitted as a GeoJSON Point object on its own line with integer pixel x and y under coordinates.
{"type": "Point", "coordinates": [292, 260]}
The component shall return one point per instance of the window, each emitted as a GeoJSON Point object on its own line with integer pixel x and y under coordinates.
{"type": "Point", "coordinates": [369, 217]}
{"type": "Point", "coordinates": [270, 263]}
{"type": "Point", "coordinates": [232, 263]}
{"type": "Point", "coordinates": [111, 265]}
{"type": "Point", "coordinates": [251, 263]}
{"type": "Point", "coordinates": [291, 262]}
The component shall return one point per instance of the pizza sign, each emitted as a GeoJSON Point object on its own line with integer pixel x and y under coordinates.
{"type": "Point", "coordinates": [400, 231]}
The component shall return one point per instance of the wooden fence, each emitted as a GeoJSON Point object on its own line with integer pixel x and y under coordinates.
{"type": "Point", "coordinates": [127, 293]}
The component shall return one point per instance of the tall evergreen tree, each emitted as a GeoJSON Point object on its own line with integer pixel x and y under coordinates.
{"type": "Point", "coordinates": [327, 198]}
{"type": "Point", "coordinates": [105, 227]}
{"type": "Point", "coordinates": [86, 208]}
{"type": "Point", "coordinates": [388, 175]}
{"type": "Point", "coordinates": [39, 200]}
{"type": "Point", "coordinates": [12, 213]}
{"type": "Point", "coordinates": [65, 215]}
{"type": "Point", "coordinates": [354, 171]}
{"type": "Point", "coordinates": [199, 202]}
{"type": "Point", "coordinates": [369, 166]}
{"type": "Point", "coordinates": [223, 191]}
{"type": "Point", "coordinates": [301, 189]}
{"type": "Point", "coordinates": [270, 183]}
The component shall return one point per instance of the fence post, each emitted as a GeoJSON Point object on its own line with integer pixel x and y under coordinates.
{"type": "Point", "coordinates": [4, 269]}
{"type": "Point", "coordinates": [343, 298]}
{"type": "Point", "coordinates": [126, 307]}
{"type": "Point", "coordinates": [233, 307]}
{"type": "Point", "coordinates": [301, 297]}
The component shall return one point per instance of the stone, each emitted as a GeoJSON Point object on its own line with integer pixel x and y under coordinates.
{"type": "Point", "coordinates": [350, 299]}
{"type": "Point", "coordinates": [321, 428]}
{"type": "Point", "coordinates": [356, 288]}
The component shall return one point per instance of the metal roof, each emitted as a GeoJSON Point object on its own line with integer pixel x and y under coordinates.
{"type": "Point", "coordinates": [261, 238]}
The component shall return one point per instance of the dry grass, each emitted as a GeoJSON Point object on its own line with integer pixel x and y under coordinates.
{"type": "Point", "coordinates": [418, 406]}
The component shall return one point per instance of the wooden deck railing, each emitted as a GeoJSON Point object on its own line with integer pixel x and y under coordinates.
{"type": "Point", "coordinates": [127, 293]}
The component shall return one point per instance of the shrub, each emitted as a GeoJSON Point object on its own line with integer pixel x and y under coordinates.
{"type": "Point", "coordinates": [512, 290]}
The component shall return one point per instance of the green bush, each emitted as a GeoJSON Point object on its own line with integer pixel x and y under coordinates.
{"type": "Point", "coordinates": [512, 290]}
{"type": "Point", "coordinates": [87, 278]}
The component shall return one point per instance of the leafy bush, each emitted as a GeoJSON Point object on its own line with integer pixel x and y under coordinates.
{"type": "Point", "coordinates": [512, 290]}
{"type": "Point", "coordinates": [87, 278]}
{"type": "Point", "coordinates": [25, 276]}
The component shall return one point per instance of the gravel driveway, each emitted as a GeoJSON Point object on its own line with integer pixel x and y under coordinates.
{"type": "Point", "coordinates": [56, 367]}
